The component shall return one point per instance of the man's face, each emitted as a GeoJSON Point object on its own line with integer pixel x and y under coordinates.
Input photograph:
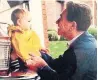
{"type": "Point", "coordinates": [63, 25]}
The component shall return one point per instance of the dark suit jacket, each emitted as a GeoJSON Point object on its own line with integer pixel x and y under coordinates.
{"type": "Point", "coordinates": [77, 63]}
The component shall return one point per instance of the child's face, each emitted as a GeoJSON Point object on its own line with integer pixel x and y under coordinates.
{"type": "Point", "coordinates": [24, 22]}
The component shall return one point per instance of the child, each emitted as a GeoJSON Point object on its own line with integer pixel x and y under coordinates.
{"type": "Point", "coordinates": [24, 40]}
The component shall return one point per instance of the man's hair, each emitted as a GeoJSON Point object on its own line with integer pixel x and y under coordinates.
{"type": "Point", "coordinates": [80, 13]}
{"type": "Point", "coordinates": [17, 14]}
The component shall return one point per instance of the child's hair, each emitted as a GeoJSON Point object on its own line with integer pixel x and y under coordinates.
{"type": "Point", "coordinates": [18, 14]}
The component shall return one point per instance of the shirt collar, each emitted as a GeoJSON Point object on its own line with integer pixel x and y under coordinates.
{"type": "Point", "coordinates": [71, 41]}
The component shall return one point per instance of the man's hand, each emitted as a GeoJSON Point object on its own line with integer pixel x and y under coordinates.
{"type": "Point", "coordinates": [35, 62]}
{"type": "Point", "coordinates": [29, 61]}
{"type": "Point", "coordinates": [44, 50]}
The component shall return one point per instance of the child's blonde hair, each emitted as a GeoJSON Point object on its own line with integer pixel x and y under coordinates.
{"type": "Point", "coordinates": [18, 14]}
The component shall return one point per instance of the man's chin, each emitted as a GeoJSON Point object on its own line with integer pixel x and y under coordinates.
{"type": "Point", "coordinates": [59, 33]}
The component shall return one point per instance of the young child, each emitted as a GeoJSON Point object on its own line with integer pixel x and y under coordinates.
{"type": "Point", "coordinates": [24, 40]}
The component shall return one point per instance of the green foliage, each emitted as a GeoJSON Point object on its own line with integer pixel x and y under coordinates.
{"type": "Point", "coordinates": [51, 30]}
{"type": "Point", "coordinates": [57, 48]}
{"type": "Point", "coordinates": [62, 38]}
{"type": "Point", "coordinates": [52, 35]}
{"type": "Point", "coordinates": [93, 31]}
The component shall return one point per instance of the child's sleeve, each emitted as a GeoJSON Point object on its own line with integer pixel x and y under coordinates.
{"type": "Point", "coordinates": [37, 42]}
{"type": "Point", "coordinates": [24, 46]}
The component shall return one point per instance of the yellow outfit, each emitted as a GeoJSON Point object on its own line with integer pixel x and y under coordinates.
{"type": "Point", "coordinates": [24, 42]}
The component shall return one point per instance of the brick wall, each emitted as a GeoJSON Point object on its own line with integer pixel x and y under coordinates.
{"type": "Point", "coordinates": [93, 6]}
{"type": "Point", "coordinates": [51, 11]}
{"type": "Point", "coordinates": [44, 15]}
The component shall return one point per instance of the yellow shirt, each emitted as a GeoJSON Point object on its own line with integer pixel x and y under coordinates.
{"type": "Point", "coordinates": [25, 42]}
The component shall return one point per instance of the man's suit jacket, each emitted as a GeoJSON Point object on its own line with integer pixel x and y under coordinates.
{"type": "Point", "coordinates": [85, 48]}
{"type": "Point", "coordinates": [79, 61]}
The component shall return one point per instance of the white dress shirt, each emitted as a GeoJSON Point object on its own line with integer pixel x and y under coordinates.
{"type": "Point", "coordinates": [71, 41]}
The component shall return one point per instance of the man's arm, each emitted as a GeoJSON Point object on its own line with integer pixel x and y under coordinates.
{"type": "Point", "coordinates": [65, 65]}
{"type": "Point", "coordinates": [47, 73]}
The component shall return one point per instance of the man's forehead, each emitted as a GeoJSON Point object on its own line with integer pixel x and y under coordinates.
{"type": "Point", "coordinates": [64, 7]}
{"type": "Point", "coordinates": [63, 12]}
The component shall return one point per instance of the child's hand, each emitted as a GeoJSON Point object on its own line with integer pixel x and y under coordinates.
{"type": "Point", "coordinates": [14, 56]}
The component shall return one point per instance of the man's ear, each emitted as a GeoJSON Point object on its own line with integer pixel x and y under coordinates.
{"type": "Point", "coordinates": [18, 22]}
{"type": "Point", "coordinates": [74, 24]}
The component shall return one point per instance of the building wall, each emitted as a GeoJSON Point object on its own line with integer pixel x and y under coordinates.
{"type": "Point", "coordinates": [5, 15]}
{"type": "Point", "coordinates": [95, 13]}
{"type": "Point", "coordinates": [53, 10]}
{"type": "Point", "coordinates": [3, 5]}
{"type": "Point", "coordinates": [44, 15]}
{"type": "Point", "coordinates": [92, 4]}
{"type": "Point", "coordinates": [37, 19]}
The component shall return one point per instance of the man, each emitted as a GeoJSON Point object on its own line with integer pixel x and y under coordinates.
{"type": "Point", "coordinates": [79, 62]}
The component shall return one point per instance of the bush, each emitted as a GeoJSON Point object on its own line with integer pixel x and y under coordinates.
{"type": "Point", "coordinates": [51, 30]}
{"type": "Point", "coordinates": [52, 35]}
{"type": "Point", "coordinates": [62, 38]}
{"type": "Point", "coordinates": [93, 31]}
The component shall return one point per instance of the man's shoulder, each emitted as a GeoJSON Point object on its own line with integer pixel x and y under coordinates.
{"type": "Point", "coordinates": [85, 41]}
